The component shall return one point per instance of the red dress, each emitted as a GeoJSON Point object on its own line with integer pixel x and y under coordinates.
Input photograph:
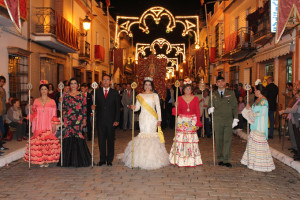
{"type": "Point", "coordinates": [45, 147]}
{"type": "Point", "coordinates": [186, 148]}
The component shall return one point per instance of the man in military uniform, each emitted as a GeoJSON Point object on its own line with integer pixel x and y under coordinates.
{"type": "Point", "coordinates": [225, 118]}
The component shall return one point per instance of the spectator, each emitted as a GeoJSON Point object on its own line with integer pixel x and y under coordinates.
{"type": "Point", "coordinates": [15, 117]}
{"type": "Point", "coordinates": [288, 94]}
{"type": "Point", "coordinates": [89, 102]}
{"type": "Point", "coordinates": [2, 111]}
{"type": "Point", "coordinates": [236, 91]}
{"type": "Point", "coordinates": [169, 104]}
{"type": "Point", "coordinates": [242, 91]}
{"type": "Point", "coordinates": [241, 106]}
{"type": "Point", "coordinates": [271, 95]}
{"type": "Point", "coordinates": [51, 92]}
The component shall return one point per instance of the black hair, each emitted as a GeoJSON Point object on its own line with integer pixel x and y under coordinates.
{"type": "Point", "coordinates": [107, 76]}
{"type": "Point", "coordinates": [51, 85]}
{"type": "Point", "coordinates": [3, 78]}
{"type": "Point", "coordinates": [14, 100]}
{"type": "Point", "coordinates": [260, 87]}
{"type": "Point", "coordinates": [289, 84]}
{"type": "Point", "coordinates": [241, 84]}
{"type": "Point", "coordinates": [72, 79]}
{"type": "Point", "coordinates": [151, 82]}
{"type": "Point", "coordinates": [186, 86]}
{"type": "Point", "coordinates": [84, 85]}
{"type": "Point", "coordinates": [46, 85]}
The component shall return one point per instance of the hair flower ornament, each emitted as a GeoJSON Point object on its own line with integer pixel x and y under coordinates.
{"type": "Point", "coordinates": [258, 81]}
{"type": "Point", "coordinates": [187, 81]}
{"type": "Point", "coordinates": [43, 82]}
{"type": "Point", "coordinates": [148, 79]}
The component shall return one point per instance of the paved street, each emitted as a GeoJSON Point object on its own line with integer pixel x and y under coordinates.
{"type": "Point", "coordinates": [119, 182]}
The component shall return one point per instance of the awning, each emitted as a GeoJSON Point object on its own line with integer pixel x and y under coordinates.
{"type": "Point", "coordinates": [272, 53]}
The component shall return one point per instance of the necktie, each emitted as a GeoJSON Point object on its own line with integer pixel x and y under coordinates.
{"type": "Point", "coordinates": [221, 94]}
{"type": "Point", "coordinates": [105, 94]}
{"type": "Point", "coordinates": [128, 93]}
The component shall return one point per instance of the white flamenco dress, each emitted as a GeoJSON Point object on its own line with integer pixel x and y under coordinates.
{"type": "Point", "coordinates": [149, 153]}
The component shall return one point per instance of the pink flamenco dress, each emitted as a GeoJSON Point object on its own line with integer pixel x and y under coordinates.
{"type": "Point", "coordinates": [186, 146]}
{"type": "Point", "coordinates": [45, 147]}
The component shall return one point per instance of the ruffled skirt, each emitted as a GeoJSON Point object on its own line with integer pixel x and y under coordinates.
{"type": "Point", "coordinates": [186, 146]}
{"type": "Point", "coordinates": [258, 155]}
{"type": "Point", "coordinates": [44, 148]}
{"type": "Point", "coordinates": [148, 152]}
{"type": "Point", "coordinates": [75, 153]}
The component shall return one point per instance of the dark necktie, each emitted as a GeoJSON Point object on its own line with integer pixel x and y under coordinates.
{"type": "Point", "coordinates": [221, 94]}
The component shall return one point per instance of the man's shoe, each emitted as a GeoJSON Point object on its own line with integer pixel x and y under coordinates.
{"type": "Point", "coordinates": [109, 164]}
{"type": "Point", "coordinates": [228, 165]}
{"type": "Point", "coordinates": [101, 163]}
{"type": "Point", "coordinates": [221, 163]}
{"type": "Point", "coordinates": [3, 148]}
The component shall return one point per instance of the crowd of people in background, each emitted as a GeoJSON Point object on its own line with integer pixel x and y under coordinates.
{"type": "Point", "coordinates": [14, 114]}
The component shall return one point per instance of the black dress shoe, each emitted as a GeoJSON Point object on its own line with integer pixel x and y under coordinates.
{"type": "Point", "coordinates": [101, 163]}
{"type": "Point", "coordinates": [221, 163]}
{"type": "Point", "coordinates": [228, 165]}
{"type": "Point", "coordinates": [109, 164]}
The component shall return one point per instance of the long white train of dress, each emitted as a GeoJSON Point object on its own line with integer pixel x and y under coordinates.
{"type": "Point", "coordinates": [149, 153]}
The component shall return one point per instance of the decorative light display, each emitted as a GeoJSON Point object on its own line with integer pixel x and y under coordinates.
{"type": "Point", "coordinates": [124, 24]}
{"type": "Point", "coordinates": [160, 42]}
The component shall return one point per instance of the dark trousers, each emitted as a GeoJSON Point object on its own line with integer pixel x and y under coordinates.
{"type": "Point", "coordinates": [271, 118]}
{"type": "Point", "coordinates": [297, 137]}
{"type": "Point", "coordinates": [170, 119]}
{"type": "Point", "coordinates": [207, 127]}
{"type": "Point", "coordinates": [20, 128]}
{"type": "Point", "coordinates": [89, 126]}
{"type": "Point", "coordinates": [106, 141]}
{"type": "Point", "coordinates": [241, 123]}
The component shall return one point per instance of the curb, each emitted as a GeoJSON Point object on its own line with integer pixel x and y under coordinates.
{"type": "Point", "coordinates": [276, 154]}
{"type": "Point", "coordinates": [13, 156]}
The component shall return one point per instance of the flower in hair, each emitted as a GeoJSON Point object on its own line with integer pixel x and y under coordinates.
{"type": "Point", "coordinates": [148, 79]}
{"type": "Point", "coordinates": [258, 81]}
{"type": "Point", "coordinates": [187, 81]}
{"type": "Point", "coordinates": [43, 82]}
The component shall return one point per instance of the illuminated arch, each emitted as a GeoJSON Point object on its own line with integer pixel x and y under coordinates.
{"type": "Point", "coordinates": [190, 23]}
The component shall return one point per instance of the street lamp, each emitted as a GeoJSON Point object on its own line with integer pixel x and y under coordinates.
{"type": "Point", "coordinates": [86, 25]}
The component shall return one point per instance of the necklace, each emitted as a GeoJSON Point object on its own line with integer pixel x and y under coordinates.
{"type": "Point", "coordinates": [44, 103]}
{"type": "Point", "coordinates": [188, 104]}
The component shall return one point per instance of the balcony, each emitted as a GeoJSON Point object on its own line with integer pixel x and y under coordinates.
{"type": "Point", "coordinates": [54, 31]}
{"type": "Point", "coordinates": [239, 43]}
{"type": "Point", "coordinates": [84, 53]}
{"type": "Point", "coordinates": [263, 33]}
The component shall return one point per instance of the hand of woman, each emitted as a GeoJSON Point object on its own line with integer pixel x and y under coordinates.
{"type": "Point", "coordinates": [61, 99]}
{"type": "Point", "coordinates": [132, 107]}
{"type": "Point", "coordinates": [248, 106]}
{"type": "Point", "coordinates": [176, 104]}
{"type": "Point", "coordinates": [84, 122]}
{"type": "Point", "coordinates": [197, 128]}
{"type": "Point", "coordinates": [93, 107]}
{"type": "Point", "coordinates": [158, 123]}
{"type": "Point", "coordinates": [281, 112]}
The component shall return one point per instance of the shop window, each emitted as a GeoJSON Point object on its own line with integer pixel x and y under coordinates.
{"type": "Point", "coordinates": [269, 70]}
{"type": "Point", "coordinates": [18, 76]}
{"type": "Point", "coordinates": [289, 70]}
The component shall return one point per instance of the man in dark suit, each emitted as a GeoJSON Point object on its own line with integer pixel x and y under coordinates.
{"type": "Point", "coordinates": [89, 102]}
{"type": "Point", "coordinates": [169, 104]}
{"type": "Point", "coordinates": [271, 95]}
{"type": "Point", "coordinates": [127, 112]}
{"type": "Point", "coordinates": [108, 117]}
{"type": "Point", "coordinates": [180, 88]}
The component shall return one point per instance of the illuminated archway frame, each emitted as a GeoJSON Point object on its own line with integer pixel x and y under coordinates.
{"type": "Point", "coordinates": [171, 69]}
{"type": "Point", "coordinates": [142, 47]}
{"type": "Point", "coordinates": [124, 24]}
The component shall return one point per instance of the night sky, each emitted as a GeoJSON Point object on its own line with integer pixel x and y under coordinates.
{"type": "Point", "coordinates": [176, 7]}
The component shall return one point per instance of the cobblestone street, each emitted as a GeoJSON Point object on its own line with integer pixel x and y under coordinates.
{"type": "Point", "coordinates": [119, 182]}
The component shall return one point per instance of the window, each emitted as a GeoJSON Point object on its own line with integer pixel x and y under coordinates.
{"type": "Point", "coordinates": [269, 70]}
{"type": "Point", "coordinates": [88, 77]}
{"type": "Point", "coordinates": [77, 75]}
{"type": "Point", "coordinates": [217, 40]}
{"type": "Point", "coordinates": [18, 76]}
{"type": "Point", "coordinates": [234, 75]}
{"type": "Point", "coordinates": [48, 70]}
{"type": "Point", "coordinates": [236, 23]}
{"type": "Point", "coordinates": [289, 71]}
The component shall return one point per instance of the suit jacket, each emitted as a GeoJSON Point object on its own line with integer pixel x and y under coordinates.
{"type": "Point", "coordinates": [225, 108]}
{"type": "Point", "coordinates": [271, 95]}
{"type": "Point", "coordinates": [170, 95]}
{"type": "Point", "coordinates": [89, 103]}
{"type": "Point", "coordinates": [107, 109]}
{"type": "Point", "coordinates": [125, 99]}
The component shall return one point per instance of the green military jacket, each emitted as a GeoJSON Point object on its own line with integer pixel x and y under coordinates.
{"type": "Point", "coordinates": [226, 108]}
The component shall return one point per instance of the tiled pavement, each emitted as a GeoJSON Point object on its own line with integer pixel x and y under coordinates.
{"type": "Point", "coordinates": [119, 182]}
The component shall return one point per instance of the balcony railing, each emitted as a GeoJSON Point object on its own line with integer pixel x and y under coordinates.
{"type": "Point", "coordinates": [49, 22]}
{"type": "Point", "coordinates": [239, 40]}
{"type": "Point", "coordinates": [263, 33]}
{"type": "Point", "coordinates": [85, 51]}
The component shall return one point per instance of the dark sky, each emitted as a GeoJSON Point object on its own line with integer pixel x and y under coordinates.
{"type": "Point", "coordinates": [176, 7]}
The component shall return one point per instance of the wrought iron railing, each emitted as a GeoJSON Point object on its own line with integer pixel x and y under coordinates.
{"type": "Point", "coordinates": [263, 28]}
{"type": "Point", "coordinates": [45, 20]}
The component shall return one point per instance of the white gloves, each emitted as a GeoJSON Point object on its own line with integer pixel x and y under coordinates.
{"type": "Point", "coordinates": [235, 122]}
{"type": "Point", "coordinates": [211, 110]}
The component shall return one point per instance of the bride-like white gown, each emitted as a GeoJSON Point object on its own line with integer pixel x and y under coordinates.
{"type": "Point", "coordinates": [149, 153]}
